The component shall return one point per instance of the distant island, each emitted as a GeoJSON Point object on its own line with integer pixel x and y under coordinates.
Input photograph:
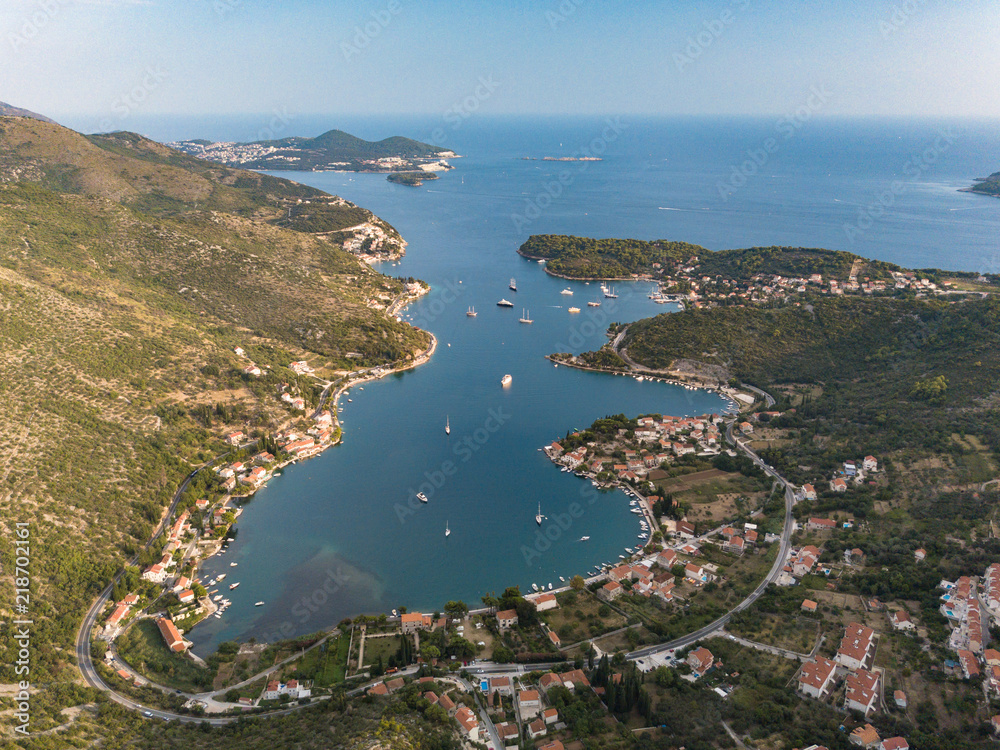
{"type": "Point", "coordinates": [684, 268]}
{"type": "Point", "coordinates": [413, 179]}
{"type": "Point", "coordinates": [334, 150]}
{"type": "Point", "coordinates": [986, 185]}
{"type": "Point", "coordinates": [562, 158]}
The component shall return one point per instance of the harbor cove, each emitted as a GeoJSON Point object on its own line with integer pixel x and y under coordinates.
{"type": "Point", "coordinates": [345, 533]}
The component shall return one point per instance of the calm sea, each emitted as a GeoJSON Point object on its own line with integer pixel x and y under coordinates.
{"type": "Point", "coordinates": [341, 534]}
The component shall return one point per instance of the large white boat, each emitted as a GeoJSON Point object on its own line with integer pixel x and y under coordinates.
{"type": "Point", "coordinates": [258, 604]}
{"type": "Point", "coordinates": [593, 304]}
{"type": "Point", "coordinates": [447, 531]}
{"type": "Point", "coordinates": [584, 538]}
{"type": "Point", "coordinates": [447, 425]}
{"type": "Point", "coordinates": [525, 318]}
{"type": "Point", "coordinates": [233, 585]}
{"type": "Point", "coordinates": [507, 380]}
{"type": "Point", "coordinates": [472, 312]}
{"type": "Point", "coordinates": [505, 303]}
{"type": "Point", "coordinates": [422, 497]}
{"type": "Point", "coordinates": [513, 285]}
{"type": "Point", "coordinates": [610, 293]}
{"type": "Point", "coordinates": [574, 309]}
{"type": "Point", "coordinates": [220, 577]}
{"type": "Point", "coordinates": [567, 290]}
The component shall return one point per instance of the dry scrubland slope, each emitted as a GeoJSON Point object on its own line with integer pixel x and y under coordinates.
{"type": "Point", "coordinates": [127, 274]}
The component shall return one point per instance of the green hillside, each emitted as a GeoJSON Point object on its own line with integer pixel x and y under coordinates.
{"type": "Point", "coordinates": [584, 257]}
{"type": "Point", "coordinates": [909, 371]}
{"type": "Point", "coordinates": [128, 275]}
{"type": "Point", "coordinates": [334, 149]}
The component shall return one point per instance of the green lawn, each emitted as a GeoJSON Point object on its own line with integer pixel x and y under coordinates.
{"type": "Point", "coordinates": [578, 617]}
{"type": "Point", "coordinates": [384, 647]}
{"type": "Point", "coordinates": [326, 664]}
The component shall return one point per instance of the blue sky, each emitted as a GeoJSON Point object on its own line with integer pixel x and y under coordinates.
{"type": "Point", "coordinates": [106, 59]}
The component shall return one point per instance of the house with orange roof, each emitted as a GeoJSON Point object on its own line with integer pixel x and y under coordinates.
{"type": "Point", "coordinates": [536, 729]}
{"type": "Point", "coordinates": [507, 619]}
{"type": "Point", "coordinates": [862, 691]}
{"type": "Point", "coordinates": [701, 661]}
{"type": "Point", "coordinates": [171, 636]}
{"type": "Point", "coordinates": [900, 620]}
{"type": "Point", "coordinates": [610, 591]}
{"type": "Point", "coordinates": [468, 723]}
{"type": "Point", "coordinates": [529, 704]}
{"type": "Point", "coordinates": [808, 605]}
{"type": "Point", "coordinates": [970, 667]}
{"type": "Point", "coordinates": [866, 737]}
{"type": "Point", "coordinates": [817, 677]}
{"type": "Point", "coordinates": [856, 646]}
{"type": "Point", "coordinates": [446, 703]}
{"type": "Point", "coordinates": [411, 622]}
{"type": "Point", "coordinates": [545, 602]}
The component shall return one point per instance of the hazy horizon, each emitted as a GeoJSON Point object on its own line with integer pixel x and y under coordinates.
{"type": "Point", "coordinates": [111, 62]}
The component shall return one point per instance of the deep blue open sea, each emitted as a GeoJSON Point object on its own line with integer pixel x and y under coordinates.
{"type": "Point", "coordinates": [338, 535]}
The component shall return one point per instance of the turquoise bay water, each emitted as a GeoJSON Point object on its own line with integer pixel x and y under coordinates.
{"type": "Point", "coordinates": [341, 534]}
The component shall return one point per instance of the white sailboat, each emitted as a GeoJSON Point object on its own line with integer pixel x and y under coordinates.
{"type": "Point", "coordinates": [472, 312]}
{"type": "Point", "coordinates": [610, 293]}
{"type": "Point", "coordinates": [539, 516]}
{"type": "Point", "coordinates": [524, 316]}
{"type": "Point", "coordinates": [447, 425]}
{"type": "Point", "coordinates": [447, 531]}
{"type": "Point", "coordinates": [513, 285]}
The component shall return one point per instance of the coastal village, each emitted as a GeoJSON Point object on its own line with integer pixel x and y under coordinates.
{"type": "Point", "coordinates": [681, 561]}
{"type": "Point", "coordinates": [677, 562]}
{"type": "Point", "coordinates": [684, 282]}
